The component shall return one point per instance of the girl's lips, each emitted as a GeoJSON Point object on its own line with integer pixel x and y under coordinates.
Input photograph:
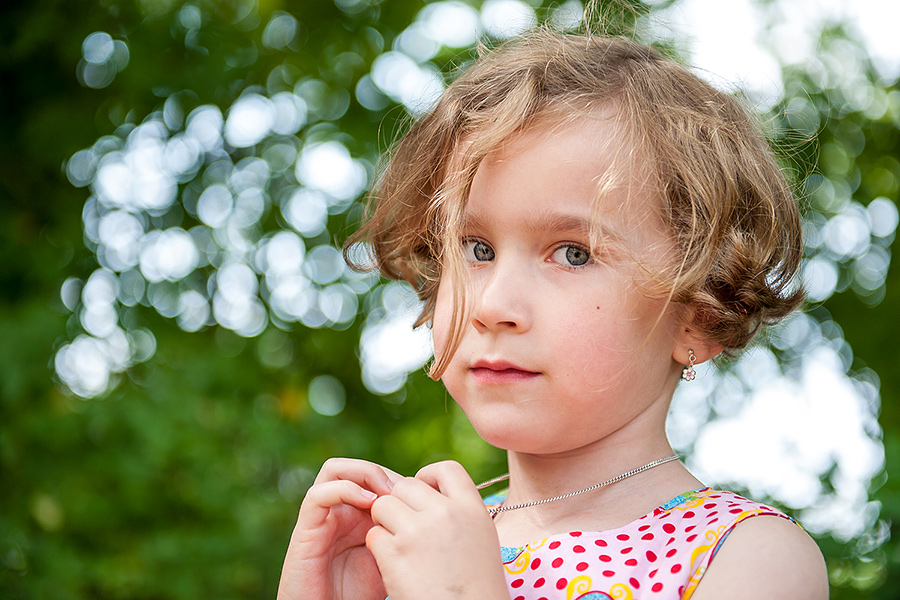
{"type": "Point", "coordinates": [500, 372]}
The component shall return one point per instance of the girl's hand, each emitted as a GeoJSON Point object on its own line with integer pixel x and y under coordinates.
{"type": "Point", "coordinates": [327, 558]}
{"type": "Point", "coordinates": [434, 539]}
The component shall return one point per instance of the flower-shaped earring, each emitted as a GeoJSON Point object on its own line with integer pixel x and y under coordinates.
{"type": "Point", "coordinates": [688, 373]}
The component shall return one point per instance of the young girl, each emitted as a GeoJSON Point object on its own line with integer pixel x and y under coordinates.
{"type": "Point", "coordinates": [585, 221]}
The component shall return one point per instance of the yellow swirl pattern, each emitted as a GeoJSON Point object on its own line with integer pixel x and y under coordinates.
{"type": "Point", "coordinates": [700, 552]}
{"type": "Point", "coordinates": [620, 591]}
{"type": "Point", "coordinates": [580, 585]}
{"type": "Point", "coordinates": [536, 545]}
{"type": "Point", "coordinates": [520, 564]}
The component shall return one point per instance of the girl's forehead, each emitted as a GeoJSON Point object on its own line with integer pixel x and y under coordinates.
{"type": "Point", "coordinates": [593, 157]}
{"type": "Point", "coordinates": [579, 179]}
{"type": "Point", "coordinates": [598, 131]}
{"type": "Point", "coordinates": [581, 176]}
{"type": "Point", "coordinates": [497, 141]}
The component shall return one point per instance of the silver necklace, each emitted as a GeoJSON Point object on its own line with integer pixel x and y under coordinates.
{"type": "Point", "coordinates": [499, 509]}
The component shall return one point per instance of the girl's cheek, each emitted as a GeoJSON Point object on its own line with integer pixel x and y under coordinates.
{"type": "Point", "coordinates": [440, 326]}
{"type": "Point", "coordinates": [438, 340]}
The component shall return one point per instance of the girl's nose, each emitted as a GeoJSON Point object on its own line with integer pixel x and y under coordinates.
{"type": "Point", "coordinates": [502, 300]}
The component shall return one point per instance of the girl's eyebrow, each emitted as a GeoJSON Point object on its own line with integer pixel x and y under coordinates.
{"type": "Point", "coordinates": [560, 223]}
{"type": "Point", "coordinates": [551, 222]}
{"type": "Point", "coordinates": [547, 221]}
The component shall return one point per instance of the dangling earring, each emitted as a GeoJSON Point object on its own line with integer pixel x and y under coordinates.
{"type": "Point", "coordinates": [688, 373]}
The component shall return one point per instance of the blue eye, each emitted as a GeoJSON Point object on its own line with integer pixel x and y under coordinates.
{"type": "Point", "coordinates": [571, 256]}
{"type": "Point", "coordinates": [478, 251]}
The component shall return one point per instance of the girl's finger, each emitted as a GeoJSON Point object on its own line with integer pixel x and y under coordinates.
{"type": "Point", "coordinates": [415, 493]}
{"type": "Point", "coordinates": [322, 497]}
{"type": "Point", "coordinates": [376, 539]}
{"type": "Point", "coordinates": [364, 473]}
{"type": "Point", "coordinates": [391, 513]}
{"type": "Point", "coordinates": [451, 479]}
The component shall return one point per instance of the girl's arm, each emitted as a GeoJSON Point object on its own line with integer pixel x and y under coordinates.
{"type": "Point", "coordinates": [766, 557]}
{"type": "Point", "coordinates": [434, 539]}
{"type": "Point", "coordinates": [327, 558]}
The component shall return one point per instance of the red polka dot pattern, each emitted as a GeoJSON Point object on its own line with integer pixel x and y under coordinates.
{"type": "Point", "coordinates": [650, 557]}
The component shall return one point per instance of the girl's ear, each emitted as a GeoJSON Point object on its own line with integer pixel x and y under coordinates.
{"type": "Point", "coordinates": [688, 338]}
{"type": "Point", "coordinates": [704, 349]}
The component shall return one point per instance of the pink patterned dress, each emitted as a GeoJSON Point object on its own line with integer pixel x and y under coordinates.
{"type": "Point", "coordinates": [660, 556]}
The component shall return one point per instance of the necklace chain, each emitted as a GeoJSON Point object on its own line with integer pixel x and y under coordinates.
{"type": "Point", "coordinates": [596, 486]}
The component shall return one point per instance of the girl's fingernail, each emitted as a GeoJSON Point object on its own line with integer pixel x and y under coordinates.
{"type": "Point", "coordinates": [368, 495]}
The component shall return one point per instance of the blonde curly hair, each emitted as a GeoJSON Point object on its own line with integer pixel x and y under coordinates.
{"type": "Point", "coordinates": [732, 216]}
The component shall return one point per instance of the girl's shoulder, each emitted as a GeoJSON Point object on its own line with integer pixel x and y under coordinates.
{"type": "Point", "coordinates": [766, 558]}
{"type": "Point", "coordinates": [665, 552]}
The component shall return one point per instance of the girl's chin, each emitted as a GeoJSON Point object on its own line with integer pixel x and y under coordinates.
{"type": "Point", "coordinates": [514, 439]}
{"type": "Point", "coordinates": [506, 437]}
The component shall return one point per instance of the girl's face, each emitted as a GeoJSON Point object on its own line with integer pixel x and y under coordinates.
{"type": "Point", "coordinates": [560, 350]}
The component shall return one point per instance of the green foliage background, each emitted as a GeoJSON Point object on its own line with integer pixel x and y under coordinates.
{"type": "Point", "coordinates": [184, 480]}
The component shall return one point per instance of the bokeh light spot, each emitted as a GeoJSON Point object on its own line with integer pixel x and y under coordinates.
{"type": "Point", "coordinates": [883, 217]}
{"type": "Point", "coordinates": [325, 264]}
{"type": "Point", "coordinates": [820, 278]}
{"type": "Point", "coordinates": [452, 24]}
{"type": "Point", "coordinates": [168, 255]}
{"type": "Point", "coordinates": [329, 167]}
{"type": "Point", "coordinates": [280, 31]}
{"type": "Point", "coordinates": [389, 346]}
{"type": "Point", "coordinates": [417, 87]}
{"type": "Point", "coordinates": [567, 15]}
{"type": "Point", "coordinates": [249, 121]}
{"type": "Point", "coordinates": [193, 310]}
{"type": "Point", "coordinates": [290, 113]}
{"type": "Point", "coordinates": [306, 211]}
{"type": "Point", "coordinates": [327, 395]}
{"type": "Point", "coordinates": [505, 18]}
{"type": "Point", "coordinates": [215, 205]}
{"type": "Point", "coordinates": [98, 47]}
{"type": "Point", "coordinates": [281, 254]}
{"type": "Point", "coordinates": [204, 125]}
